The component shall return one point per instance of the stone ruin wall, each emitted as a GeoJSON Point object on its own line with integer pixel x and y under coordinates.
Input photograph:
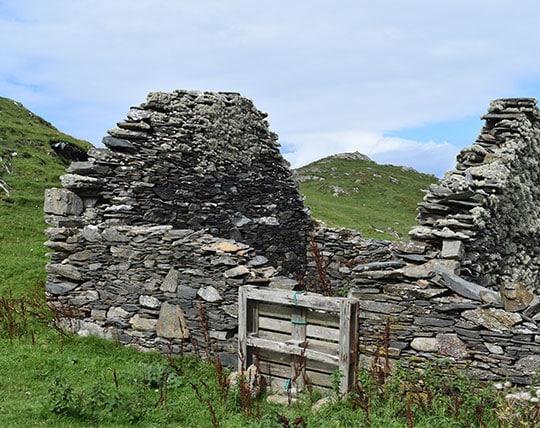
{"type": "Point", "coordinates": [192, 199]}
{"type": "Point", "coordinates": [489, 203]}
{"type": "Point", "coordinates": [197, 161]}
{"type": "Point", "coordinates": [149, 225]}
{"type": "Point", "coordinates": [464, 287]}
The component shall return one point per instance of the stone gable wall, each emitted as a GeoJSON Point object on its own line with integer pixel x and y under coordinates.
{"type": "Point", "coordinates": [194, 160]}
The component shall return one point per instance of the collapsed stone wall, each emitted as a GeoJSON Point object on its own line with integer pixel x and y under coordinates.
{"type": "Point", "coordinates": [147, 239]}
{"type": "Point", "coordinates": [465, 286]}
{"type": "Point", "coordinates": [487, 207]}
{"type": "Point", "coordinates": [431, 312]}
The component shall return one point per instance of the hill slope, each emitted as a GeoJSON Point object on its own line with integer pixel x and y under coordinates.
{"type": "Point", "coordinates": [350, 190]}
{"type": "Point", "coordinates": [33, 154]}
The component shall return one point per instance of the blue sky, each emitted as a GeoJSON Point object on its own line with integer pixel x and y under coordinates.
{"type": "Point", "coordinates": [404, 82]}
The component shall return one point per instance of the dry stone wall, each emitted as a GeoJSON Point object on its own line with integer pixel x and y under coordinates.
{"type": "Point", "coordinates": [485, 212]}
{"type": "Point", "coordinates": [152, 237]}
{"type": "Point", "coordinates": [130, 218]}
{"type": "Point", "coordinates": [153, 287]}
{"type": "Point", "coordinates": [465, 286]}
{"type": "Point", "coordinates": [195, 160]}
{"type": "Point", "coordinates": [431, 312]}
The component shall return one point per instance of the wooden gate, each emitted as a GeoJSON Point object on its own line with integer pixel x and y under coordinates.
{"type": "Point", "coordinates": [297, 337]}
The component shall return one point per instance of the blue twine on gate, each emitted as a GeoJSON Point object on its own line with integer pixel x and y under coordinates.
{"type": "Point", "coordinates": [287, 384]}
{"type": "Point", "coordinates": [294, 296]}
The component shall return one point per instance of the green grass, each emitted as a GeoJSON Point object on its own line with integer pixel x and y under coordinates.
{"type": "Point", "coordinates": [59, 381]}
{"type": "Point", "coordinates": [378, 200]}
{"type": "Point", "coordinates": [32, 166]}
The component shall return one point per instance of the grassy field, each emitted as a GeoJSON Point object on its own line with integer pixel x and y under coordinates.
{"type": "Point", "coordinates": [49, 378]}
{"type": "Point", "coordinates": [86, 382]}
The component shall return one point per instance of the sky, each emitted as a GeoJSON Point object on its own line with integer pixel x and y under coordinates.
{"type": "Point", "coordinates": [404, 82]}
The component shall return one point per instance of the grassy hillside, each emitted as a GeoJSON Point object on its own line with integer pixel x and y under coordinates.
{"type": "Point", "coordinates": [28, 165]}
{"type": "Point", "coordinates": [352, 191]}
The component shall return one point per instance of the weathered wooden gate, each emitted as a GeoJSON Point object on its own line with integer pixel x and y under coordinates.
{"type": "Point", "coordinates": [297, 337]}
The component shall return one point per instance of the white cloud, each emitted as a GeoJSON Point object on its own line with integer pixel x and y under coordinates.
{"type": "Point", "coordinates": [431, 157]}
{"type": "Point", "coordinates": [354, 69]}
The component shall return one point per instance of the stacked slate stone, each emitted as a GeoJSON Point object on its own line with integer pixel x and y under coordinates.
{"type": "Point", "coordinates": [463, 287]}
{"type": "Point", "coordinates": [181, 162]}
{"type": "Point", "coordinates": [152, 287]}
{"type": "Point", "coordinates": [200, 161]}
{"type": "Point", "coordinates": [428, 310]}
{"type": "Point", "coordinates": [147, 240]}
{"type": "Point", "coordinates": [485, 212]}
{"type": "Point", "coordinates": [344, 251]}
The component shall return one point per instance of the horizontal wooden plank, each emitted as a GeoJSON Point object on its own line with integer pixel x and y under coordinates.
{"type": "Point", "coordinates": [279, 346]}
{"type": "Point", "coordinates": [322, 333]}
{"type": "Point", "coordinates": [272, 371]}
{"type": "Point", "coordinates": [274, 324]}
{"type": "Point", "coordinates": [292, 298]}
{"type": "Point", "coordinates": [285, 359]}
{"type": "Point", "coordinates": [330, 348]}
{"type": "Point", "coordinates": [286, 326]}
{"type": "Point", "coordinates": [316, 317]}
{"type": "Point", "coordinates": [322, 318]}
{"type": "Point", "coordinates": [272, 335]}
{"type": "Point", "coordinates": [323, 347]}
{"type": "Point", "coordinates": [277, 385]}
{"type": "Point", "coordinates": [270, 368]}
{"type": "Point", "coordinates": [274, 311]}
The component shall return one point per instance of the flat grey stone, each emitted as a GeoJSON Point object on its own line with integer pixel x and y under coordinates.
{"type": "Point", "coordinates": [236, 272]}
{"type": "Point", "coordinates": [149, 301]}
{"type": "Point", "coordinates": [451, 345]}
{"type": "Point", "coordinates": [425, 344]}
{"type": "Point", "coordinates": [209, 294]}
{"type": "Point", "coordinates": [170, 283]}
{"type": "Point", "coordinates": [529, 364]}
{"type": "Point", "coordinates": [452, 249]}
{"type": "Point", "coordinates": [144, 324]}
{"type": "Point", "coordinates": [118, 144]}
{"type": "Point", "coordinates": [62, 202]}
{"type": "Point", "coordinates": [186, 292]}
{"type": "Point", "coordinates": [91, 233]}
{"type": "Point", "coordinates": [493, 319]}
{"type": "Point", "coordinates": [258, 261]}
{"type": "Point", "coordinates": [117, 312]}
{"type": "Point", "coordinates": [60, 288]}
{"type": "Point", "coordinates": [64, 270]}
{"type": "Point", "coordinates": [430, 268]}
{"type": "Point", "coordinates": [283, 282]}
{"type": "Point", "coordinates": [391, 264]}
{"type": "Point", "coordinates": [80, 182]}
{"type": "Point", "coordinates": [113, 235]}
{"type": "Point", "coordinates": [468, 289]}
{"type": "Point", "coordinates": [172, 323]}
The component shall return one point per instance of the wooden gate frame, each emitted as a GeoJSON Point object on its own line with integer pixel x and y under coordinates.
{"type": "Point", "coordinates": [340, 353]}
